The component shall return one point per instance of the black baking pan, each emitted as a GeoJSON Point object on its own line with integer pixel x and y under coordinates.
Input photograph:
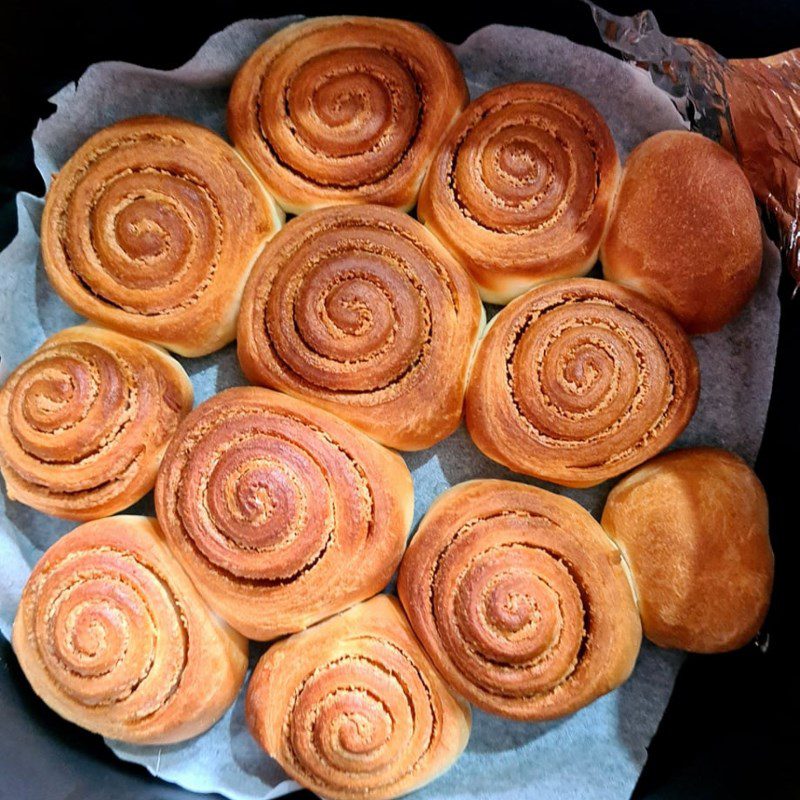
{"type": "Point", "coordinates": [730, 728]}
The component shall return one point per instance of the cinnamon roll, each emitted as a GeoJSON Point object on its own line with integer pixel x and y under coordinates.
{"type": "Point", "coordinates": [151, 229]}
{"type": "Point", "coordinates": [281, 513]}
{"type": "Point", "coordinates": [352, 707]}
{"type": "Point", "coordinates": [580, 380]}
{"type": "Point", "coordinates": [114, 637]}
{"type": "Point", "coordinates": [85, 421]}
{"type": "Point", "coordinates": [345, 110]}
{"type": "Point", "coordinates": [520, 600]}
{"type": "Point", "coordinates": [522, 187]}
{"type": "Point", "coordinates": [361, 311]}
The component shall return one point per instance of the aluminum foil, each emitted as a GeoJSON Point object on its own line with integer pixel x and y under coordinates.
{"type": "Point", "coordinates": [750, 106]}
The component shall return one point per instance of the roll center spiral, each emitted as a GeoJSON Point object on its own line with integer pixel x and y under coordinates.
{"type": "Point", "coordinates": [55, 399]}
{"type": "Point", "coordinates": [254, 503]}
{"type": "Point", "coordinates": [145, 228]}
{"type": "Point", "coordinates": [362, 722]}
{"type": "Point", "coordinates": [344, 102]}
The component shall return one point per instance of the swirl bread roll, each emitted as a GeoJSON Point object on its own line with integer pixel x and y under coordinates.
{"type": "Point", "coordinates": [520, 599]}
{"type": "Point", "coordinates": [361, 311]}
{"type": "Point", "coordinates": [353, 708]}
{"type": "Point", "coordinates": [113, 636]}
{"type": "Point", "coordinates": [281, 513]}
{"type": "Point", "coordinates": [522, 188]}
{"type": "Point", "coordinates": [85, 421]}
{"type": "Point", "coordinates": [345, 110]}
{"type": "Point", "coordinates": [693, 526]}
{"type": "Point", "coordinates": [151, 229]}
{"type": "Point", "coordinates": [580, 380]}
{"type": "Point", "coordinates": [685, 230]}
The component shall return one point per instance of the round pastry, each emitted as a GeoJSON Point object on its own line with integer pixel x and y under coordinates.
{"type": "Point", "coordinates": [85, 421]}
{"type": "Point", "coordinates": [114, 637]}
{"type": "Point", "coordinates": [360, 310]}
{"type": "Point", "coordinates": [580, 380]}
{"type": "Point", "coordinates": [151, 229]}
{"type": "Point", "coordinates": [520, 599]}
{"type": "Point", "coordinates": [685, 230]}
{"type": "Point", "coordinates": [352, 708]}
{"type": "Point", "coordinates": [693, 527]}
{"type": "Point", "coordinates": [345, 110]}
{"type": "Point", "coordinates": [281, 513]}
{"type": "Point", "coordinates": [522, 187]}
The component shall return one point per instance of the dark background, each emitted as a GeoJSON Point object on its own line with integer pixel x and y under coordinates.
{"type": "Point", "coordinates": [731, 726]}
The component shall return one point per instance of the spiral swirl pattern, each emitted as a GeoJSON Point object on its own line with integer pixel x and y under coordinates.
{"type": "Point", "coordinates": [106, 631]}
{"type": "Point", "coordinates": [353, 708]}
{"type": "Point", "coordinates": [522, 188]}
{"type": "Point", "coordinates": [85, 421]}
{"type": "Point", "coordinates": [360, 310]}
{"type": "Point", "coordinates": [345, 109]}
{"type": "Point", "coordinates": [580, 380]}
{"type": "Point", "coordinates": [282, 513]}
{"type": "Point", "coordinates": [151, 228]}
{"type": "Point", "coordinates": [520, 600]}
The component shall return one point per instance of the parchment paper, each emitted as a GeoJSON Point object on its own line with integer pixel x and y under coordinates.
{"type": "Point", "coordinates": [596, 753]}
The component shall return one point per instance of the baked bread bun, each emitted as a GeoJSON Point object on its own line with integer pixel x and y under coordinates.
{"type": "Point", "coordinates": [693, 527]}
{"type": "Point", "coordinates": [520, 600]}
{"type": "Point", "coordinates": [522, 187]}
{"type": "Point", "coordinates": [151, 229]}
{"type": "Point", "coordinates": [345, 110]}
{"type": "Point", "coordinates": [114, 637]}
{"type": "Point", "coordinates": [352, 708]}
{"type": "Point", "coordinates": [580, 380]}
{"type": "Point", "coordinates": [281, 513]}
{"type": "Point", "coordinates": [361, 311]}
{"type": "Point", "coordinates": [685, 232]}
{"type": "Point", "coordinates": [85, 421]}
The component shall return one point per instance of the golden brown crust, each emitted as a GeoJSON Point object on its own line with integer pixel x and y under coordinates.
{"type": "Point", "coordinates": [522, 187]}
{"type": "Point", "coordinates": [693, 526]}
{"type": "Point", "coordinates": [85, 421]}
{"type": "Point", "coordinates": [345, 110]}
{"type": "Point", "coordinates": [353, 708]}
{"type": "Point", "coordinates": [114, 637]}
{"type": "Point", "coordinates": [580, 380]}
{"type": "Point", "coordinates": [281, 513]}
{"type": "Point", "coordinates": [361, 311]}
{"type": "Point", "coordinates": [520, 599]}
{"type": "Point", "coordinates": [151, 228]}
{"type": "Point", "coordinates": [685, 230]}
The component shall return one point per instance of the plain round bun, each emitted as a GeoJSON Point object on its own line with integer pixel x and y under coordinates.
{"type": "Point", "coordinates": [693, 527]}
{"type": "Point", "coordinates": [685, 230]}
